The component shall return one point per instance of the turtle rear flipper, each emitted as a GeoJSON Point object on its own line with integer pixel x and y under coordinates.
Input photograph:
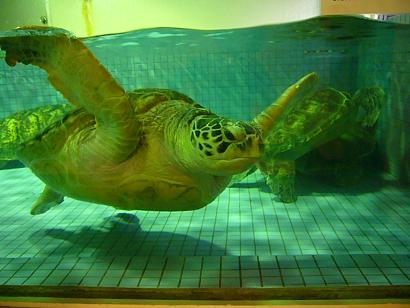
{"type": "Point", "coordinates": [47, 200]}
{"type": "Point", "coordinates": [75, 72]}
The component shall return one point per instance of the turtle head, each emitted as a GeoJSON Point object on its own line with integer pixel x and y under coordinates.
{"type": "Point", "coordinates": [370, 100]}
{"type": "Point", "coordinates": [225, 147]}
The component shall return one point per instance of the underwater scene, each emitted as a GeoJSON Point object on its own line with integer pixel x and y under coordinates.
{"type": "Point", "coordinates": [266, 158]}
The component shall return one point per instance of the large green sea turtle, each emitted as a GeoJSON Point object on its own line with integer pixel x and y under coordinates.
{"type": "Point", "coordinates": [314, 122]}
{"type": "Point", "coordinates": [147, 149]}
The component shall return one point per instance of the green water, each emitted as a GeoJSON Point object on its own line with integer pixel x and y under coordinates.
{"type": "Point", "coordinates": [331, 236]}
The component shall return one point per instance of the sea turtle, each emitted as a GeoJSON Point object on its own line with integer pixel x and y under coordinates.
{"type": "Point", "coordinates": [342, 161]}
{"type": "Point", "coordinates": [151, 149]}
{"type": "Point", "coordinates": [325, 116]}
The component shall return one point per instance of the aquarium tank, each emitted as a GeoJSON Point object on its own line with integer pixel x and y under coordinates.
{"type": "Point", "coordinates": [316, 208]}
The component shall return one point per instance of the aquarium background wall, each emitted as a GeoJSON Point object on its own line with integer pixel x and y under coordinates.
{"type": "Point", "coordinates": [96, 17]}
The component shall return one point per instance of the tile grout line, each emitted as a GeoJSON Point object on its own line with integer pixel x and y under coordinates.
{"type": "Point", "coordinates": [162, 272]}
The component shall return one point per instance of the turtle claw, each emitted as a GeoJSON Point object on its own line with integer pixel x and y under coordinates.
{"type": "Point", "coordinates": [47, 200]}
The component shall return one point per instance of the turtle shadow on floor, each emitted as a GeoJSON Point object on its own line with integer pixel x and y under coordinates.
{"type": "Point", "coordinates": [119, 235]}
{"type": "Point", "coordinates": [307, 185]}
{"type": "Point", "coordinates": [373, 181]}
{"type": "Point", "coordinates": [11, 164]}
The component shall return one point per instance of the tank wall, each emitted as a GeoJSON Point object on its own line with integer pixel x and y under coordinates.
{"type": "Point", "coordinates": [390, 68]}
{"type": "Point", "coordinates": [236, 83]}
{"type": "Point", "coordinates": [24, 87]}
{"type": "Point", "coordinates": [15, 13]}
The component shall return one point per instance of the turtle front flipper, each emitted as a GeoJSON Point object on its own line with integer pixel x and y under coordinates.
{"type": "Point", "coordinates": [75, 72]}
{"type": "Point", "coordinates": [370, 101]}
{"type": "Point", "coordinates": [296, 92]}
{"type": "Point", "coordinates": [47, 200]}
{"type": "Point", "coordinates": [280, 178]}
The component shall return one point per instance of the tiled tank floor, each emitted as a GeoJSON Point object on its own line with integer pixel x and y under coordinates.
{"type": "Point", "coordinates": [330, 237]}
